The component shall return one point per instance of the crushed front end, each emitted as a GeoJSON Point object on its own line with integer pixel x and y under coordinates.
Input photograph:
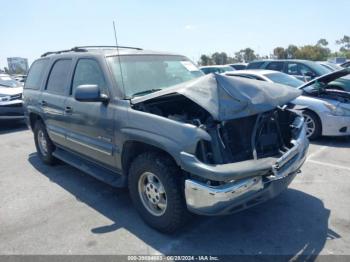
{"type": "Point", "coordinates": [248, 161]}
{"type": "Point", "coordinates": [238, 141]}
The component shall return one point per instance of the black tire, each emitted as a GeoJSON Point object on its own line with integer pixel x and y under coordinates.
{"type": "Point", "coordinates": [317, 123]}
{"type": "Point", "coordinates": [47, 156]}
{"type": "Point", "coordinates": [176, 213]}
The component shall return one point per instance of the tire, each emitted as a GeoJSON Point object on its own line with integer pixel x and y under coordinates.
{"type": "Point", "coordinates": [45, 154]}
{"type": "Point", "coordinates": [312, 123]}
{"type": "Point", "coordinates": [175, 214]}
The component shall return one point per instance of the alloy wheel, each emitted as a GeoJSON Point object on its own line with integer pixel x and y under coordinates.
{"type": "Point", "coordinates": [152, 193]}
{"type": "Point", "coordinates": [310, 125]}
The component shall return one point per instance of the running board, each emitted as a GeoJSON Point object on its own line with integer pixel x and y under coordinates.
{"type": "Point", "coordinates": [105, 175]}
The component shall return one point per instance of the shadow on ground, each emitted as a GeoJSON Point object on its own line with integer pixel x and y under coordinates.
{"type": "Point", "coordinates": [294, 223]}
{"type": "Point", "coordinates": [11, 126]}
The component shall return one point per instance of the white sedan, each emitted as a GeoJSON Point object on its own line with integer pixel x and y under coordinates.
{"type": "Point", "coordinates": [327, 110]}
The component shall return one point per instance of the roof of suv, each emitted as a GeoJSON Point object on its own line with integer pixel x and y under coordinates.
{"type": "Point", "coordinates": [106, 50]}
{"type": "Point", "coordinates": [283, 60]}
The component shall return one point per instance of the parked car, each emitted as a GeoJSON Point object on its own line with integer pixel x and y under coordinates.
{"type": "Point", "coordinates": [216, 69]}
{"type": "Point", "coordinates": [346, 64]}
{"type": "Point", "coordinates": [179, 140]}
{"type": "Point", "coordinates": [327, 109]}
{"type": "Point", "coordinates": [302, 69]}
{"type": "Point", "coordinates": [20, 78]}
{"type": "Point", "coordinates": [268, 76]}
{"type": "Point", "coordinates": [337, 60]}
{"type": "Point", "coordinates": [10, 98]}
{"type": "Point", "coordinates": [239, 66]}
{"type": "Point", "coordinates": [331, 66]}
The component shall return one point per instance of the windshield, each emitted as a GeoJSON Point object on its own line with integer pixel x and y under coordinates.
{"type": "Point", "coordinates": [284, 79]}
{"type": "Point", "coordinates": [7, 81]}
{"type": "Point", "coordinates": [320, 70]}
{"type": "Point", "coordinates": [332, 67]}
{"type": "Point", "coordinates": [144, 74]}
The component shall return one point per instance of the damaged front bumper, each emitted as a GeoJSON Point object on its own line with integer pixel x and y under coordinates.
{"type": "Point", "coordinates": [246, 183]}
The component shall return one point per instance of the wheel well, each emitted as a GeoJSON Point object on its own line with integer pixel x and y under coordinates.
{"type": "Point", "coordinates": [132, 149]}
{"type": "Point", "coordinates": [33, 118]}
{"type": "Point", "coordinates": [313, 112]}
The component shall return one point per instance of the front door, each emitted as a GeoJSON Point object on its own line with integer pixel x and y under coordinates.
{"type": "Point", "coordinates": [90, 123]}
{"type": "Point", "coordinates": [300, 71]}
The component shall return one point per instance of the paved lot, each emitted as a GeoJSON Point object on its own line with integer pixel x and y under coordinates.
{"type": "Point", "coordinates": [60, 210]}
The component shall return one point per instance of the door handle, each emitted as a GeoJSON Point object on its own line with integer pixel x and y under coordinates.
{"type": "Point", "coordinates": [68, 110]}
{"type": "Point", "coordinates": [43, 103]}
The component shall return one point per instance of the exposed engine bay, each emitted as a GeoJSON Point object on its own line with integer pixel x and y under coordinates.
{"type": "Point", "coordinates": [262, 135]}
{"type": "Point", "coordinates": [338, 95]}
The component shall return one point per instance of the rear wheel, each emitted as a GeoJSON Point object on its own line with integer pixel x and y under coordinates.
{"type": "Point", "coordinates": [313, 125]}
{"type": "Point", "coordinates": [43, 143]}
{"type": "Point", "coordinates": [156, 189]}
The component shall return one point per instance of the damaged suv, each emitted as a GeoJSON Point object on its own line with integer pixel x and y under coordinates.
{"type": "Point", "coordinates": [179, 140]}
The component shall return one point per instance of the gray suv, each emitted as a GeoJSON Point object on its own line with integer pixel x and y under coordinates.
{"type": "Point", "coordinates": [150, 121]}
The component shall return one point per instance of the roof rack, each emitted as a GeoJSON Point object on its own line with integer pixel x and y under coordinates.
{"type": "Point", "coordinates": [85, 49]}
{"type": "Point", "coordinates": [107, 47]}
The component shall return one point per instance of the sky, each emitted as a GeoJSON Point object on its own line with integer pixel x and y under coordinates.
{"type": "Point", "coordinates": [32, 27]}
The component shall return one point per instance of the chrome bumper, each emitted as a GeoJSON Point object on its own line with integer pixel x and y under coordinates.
{"type": "Point", "coordinates": [243, 193]}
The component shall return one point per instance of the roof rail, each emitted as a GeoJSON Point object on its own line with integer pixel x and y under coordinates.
{"type": "Point", "coordinates": [85, 49]}
{"type": "Point", "coordinates": [74, 49]}
{"type": "Point", "coordinates": [107, 46]}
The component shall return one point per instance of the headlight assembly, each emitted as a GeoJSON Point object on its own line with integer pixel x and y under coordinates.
{"type": "Point", "coordinates": [334, 110]}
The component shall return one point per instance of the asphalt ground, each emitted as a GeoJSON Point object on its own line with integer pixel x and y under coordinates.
{"type": "Point", "coordinates": [60, 210]}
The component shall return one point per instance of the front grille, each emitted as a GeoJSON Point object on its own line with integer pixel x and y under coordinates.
{"type": "Point", "coordinates": [254, 137]}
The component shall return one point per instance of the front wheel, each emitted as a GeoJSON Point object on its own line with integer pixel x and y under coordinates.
{"type": "Point", "coordinates": [156, 189]}
{"type": "Point", "coordinates": [313, 125]}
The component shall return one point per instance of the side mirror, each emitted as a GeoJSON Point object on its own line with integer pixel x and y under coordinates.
{"type": "Point", "coordinates": [89, 93]}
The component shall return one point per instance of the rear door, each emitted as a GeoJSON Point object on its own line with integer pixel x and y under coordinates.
{"type": "Point", "coordinates": [53, 99]}
{"type": "Point", "coordinates": [91, 123]}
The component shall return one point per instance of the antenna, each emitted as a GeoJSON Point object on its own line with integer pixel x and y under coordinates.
{"type": "Point", "coordinates": [120, 65]}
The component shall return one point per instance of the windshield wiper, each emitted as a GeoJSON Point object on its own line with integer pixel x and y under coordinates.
{"type": "Point", "coordinates": [146, 92]}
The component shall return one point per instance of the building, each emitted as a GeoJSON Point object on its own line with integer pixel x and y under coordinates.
{"type": "Point", "coordinates": [17, 65]}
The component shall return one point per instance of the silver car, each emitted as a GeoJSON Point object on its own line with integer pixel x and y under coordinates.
{"type": "Point", "coordinates": [327, 110]}
{"type": "Point", "coordinates": [10, 98]}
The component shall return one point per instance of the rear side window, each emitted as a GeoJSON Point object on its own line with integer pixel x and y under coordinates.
{"type": "Point", "coordinates": [36, 74]}
{"type": "Point", "coordinates": [299, 69]}
{"type": "Point", "coordinates": [255, 65]}
{"type": "Point", "coordinates": [58, 79]}
{"type": "Point", "coordinates": [88, 72]}
{"type": "Point", "coordinates": [275, 66]}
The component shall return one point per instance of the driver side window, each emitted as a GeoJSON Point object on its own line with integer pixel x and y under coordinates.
{"type": "Point", "coordinates": [88, 72]}
{"type": "Point", "coordinates": [299, 69]}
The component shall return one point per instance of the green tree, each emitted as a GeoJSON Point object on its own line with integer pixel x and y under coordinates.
{"type": "Point", "coordinates": [344, 43]}
{"type": "Point", "coordinates": [322, 42]}
{"type": "Point", "coordinates": [219, 58]}
{"type": "Point", "coordinates": [238, 56]}
{"type": "Point", "coordinates": [280, 53]}
{"type": "Point", "coordinates": [291, 51]}
{"type": "Point", "coordinates": [205, 60]}
{"type": "Point", "coordinates": [315, 53]}
{"type": "Point", "coordinates": [247, 55]}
